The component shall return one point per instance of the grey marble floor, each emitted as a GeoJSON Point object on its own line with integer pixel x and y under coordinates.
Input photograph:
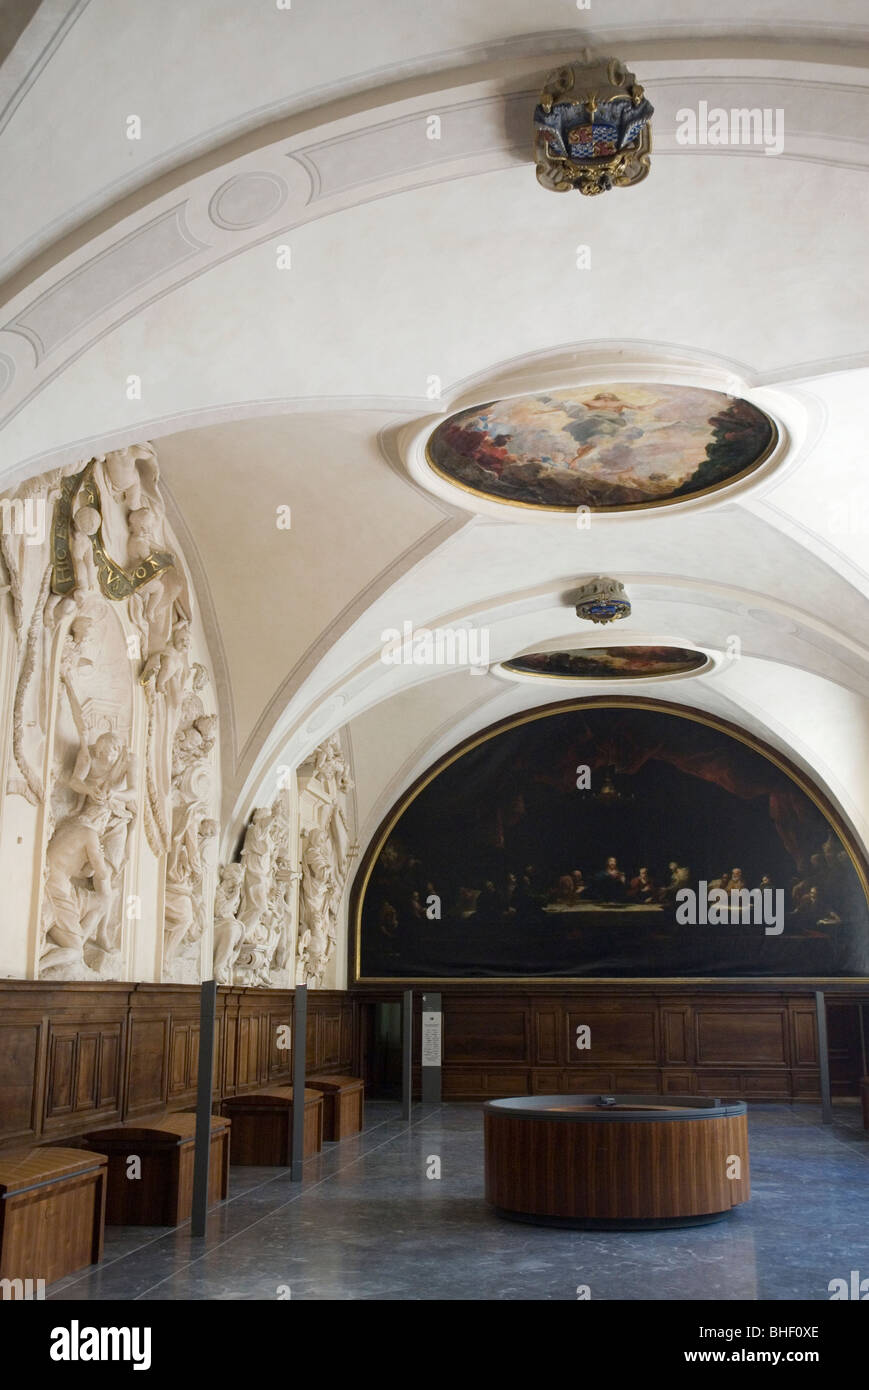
{"type": "Point", "coordinates": [368, 1223]}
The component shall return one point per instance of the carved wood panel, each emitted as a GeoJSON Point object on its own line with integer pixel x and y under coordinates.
{"type": "Point", "coordinates": [73, 1052]}
{"type": "Point", "coordinates": [750, 1042]}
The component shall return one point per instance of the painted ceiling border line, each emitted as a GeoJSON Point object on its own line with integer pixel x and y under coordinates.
{"type": "Point", "coordinates": [546, 46]}
{"type": "Point", "coordinates": [74, 11]}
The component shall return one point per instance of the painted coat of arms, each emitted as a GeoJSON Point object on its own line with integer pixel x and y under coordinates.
{"type": "Point", "coordinates": [591, 128]}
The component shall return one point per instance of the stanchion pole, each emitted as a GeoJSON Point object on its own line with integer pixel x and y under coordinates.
{"type": "Point", "coordinates": [406, 1054]}
{"type": "Point", "coordinates": [824, 1059]}
{"type": "Point", "coordinates": [204, 1097]}
{"type": "Point", "coordinates": [300, 1040]}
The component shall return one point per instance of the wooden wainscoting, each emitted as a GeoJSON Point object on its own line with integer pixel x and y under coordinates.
{"type": "Point", "coordinates": [73, 1056]}
{"type": "Point", "coordinates": [750, 1042]}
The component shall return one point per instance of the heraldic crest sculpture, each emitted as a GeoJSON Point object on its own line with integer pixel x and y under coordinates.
{"type": "Point", "coordinates": [591, 128]}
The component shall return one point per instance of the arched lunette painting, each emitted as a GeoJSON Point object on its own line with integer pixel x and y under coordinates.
{"type": "Point", "coordinates": [612, 838]}
{"type": "Point", "coordinates": [616, 447]}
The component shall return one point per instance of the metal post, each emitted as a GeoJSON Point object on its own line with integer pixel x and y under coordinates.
{"type": "Point", "coordinates": [824, 1059]}
{"type": "Point", "coordinates": [406, 1054]}
{"type": "Point", "coordinates": [300, 1042]}
{"type": "Point", "coordinates": [204, 1096]}
{"type": "Point", "coordinates": [431, 1049]}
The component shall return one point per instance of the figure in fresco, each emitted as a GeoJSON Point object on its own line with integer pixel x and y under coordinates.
{"type": "Point", "coordinates": [610, 883]}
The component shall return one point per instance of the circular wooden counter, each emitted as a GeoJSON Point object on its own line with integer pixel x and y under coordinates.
{"type": "Point", "coordinates": [616, 1161]}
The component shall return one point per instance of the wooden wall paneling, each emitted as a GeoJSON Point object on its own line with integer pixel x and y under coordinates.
{"type": "Point", "coordinates": [263, 1047]}
{"type": "Point", "coordinates": [741, 1040]}
{"type": "Point", "coordinates": [279, 1064]}
{"type": "Point", "coordinates": [331, 1033]}
{"type": "Point", "coordinates": [22, 1050]}
{"type": "Point", "coordinates": [804, 1033]}
{"type": "Point", "coordinates": [72, 1054]}
{"type": "Point", "coordinates": [347, 1038]}
{"type": "Point", "coordinates": [247, 1064]}
{"type": "Point", "coordinates": [312, 1035]}
{"type": "Point", "coordinates": [497, 1083]}
{"type": "Point", "coordinates": [110, 1074]}
{"type": "Point", "coordinates": [758, 1034]}
{"type": "Point", "coordinates": [676, 1035]}
{"type": "Point", "coordinates": [679, 1083]}
{"type": "Point", "coordinates": [594, 1080]}
{"type": "Point", "coordinates": [486, 1030]}
{"type": "Point", "coordinates": [87, 1046]}
{"type": "Point", "coordinates": [764, 1085]}
{"type": "Point", "coordinates": [227, 1051]}
{"type": "Point", "coordinates": [625, 1033]}
{"type": "Point", "coordinates": [329, 1054]}
{"type": "Point", "coordinates": [547, 1081]}
{"type": "Point", "coordinates": [458, 1084]}
{"type": "Point", "coordinates": [61, 1072]}
{"type": "Point", "coordinates": [637, 1082]}
{"type": "Point", "coordinates": [547, 1033]}
{"type": "Point", "coordinates": [147, 1061]}
{"type": "Point", "coordinates": [178, 1040]}
{"type": "Point", "coordinates": [83, 1069]}
{"type": "Point", "coordinates": [805, 1072]}
{"type": "Point", "coordinates": [843, 1045]}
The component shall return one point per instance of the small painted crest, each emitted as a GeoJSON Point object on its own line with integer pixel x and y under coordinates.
{"type": "Point", "coordinates": [591, 128]}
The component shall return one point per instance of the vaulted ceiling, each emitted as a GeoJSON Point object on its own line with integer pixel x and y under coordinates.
{"type": "Point", "coordinates": [286, 263]}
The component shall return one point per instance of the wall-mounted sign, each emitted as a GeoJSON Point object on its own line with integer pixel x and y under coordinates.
{"type": "Point", "coordinates": [431, 1039]}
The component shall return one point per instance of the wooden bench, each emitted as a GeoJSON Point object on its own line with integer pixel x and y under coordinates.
{"type": "Point", "coordinates": [343, 1104]}
{"type": "Point", "coordinates": [262, 1126]}
{"type": "Point", "coordinates": [52, 1212]}
{"type": "Point", "coordinates": [162, 1194]}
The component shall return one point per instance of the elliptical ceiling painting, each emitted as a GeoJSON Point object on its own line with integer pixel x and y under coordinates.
{"type": "Point", "coordinates": [628, 662]}
{"type": "Point", "coordinates": [607, 448]}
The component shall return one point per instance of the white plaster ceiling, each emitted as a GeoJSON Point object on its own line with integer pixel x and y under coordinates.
{"type": "Point", "coordinates": [413, 259]}
{"type": "Point", "coordinates": [202, 72]}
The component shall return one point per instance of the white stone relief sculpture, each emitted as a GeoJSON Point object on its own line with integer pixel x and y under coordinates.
{"type": "Point", "coordinates": [36, 612]}
{"type": "Point", "coordinates": [326, 856]}
{"type": "Point", "coordinates": [84, 861]}
{"type": "Point", "coordinates": [193, 829]}
{"type": "Point", "coordinates": [102, 624]}
{"type": "Point", "coordinates": [228, 931]}
{"type": "Point", "coordinates": [184, 910]}
{"type": "Point", "coordinates": [252, 928]}
{"type": "Point", "coordinates": [91, 802]}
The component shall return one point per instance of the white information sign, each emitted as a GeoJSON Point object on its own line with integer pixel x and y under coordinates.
{"type": "Point", "coordinates": [431, 1040]}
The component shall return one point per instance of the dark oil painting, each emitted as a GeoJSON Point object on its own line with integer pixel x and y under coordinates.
{"type": "Point", "coordinates": [609, 663]}
{"type": "Point", "coordinates": [602, 447]}
{"type": "Point", "coordinates": [567, 846]}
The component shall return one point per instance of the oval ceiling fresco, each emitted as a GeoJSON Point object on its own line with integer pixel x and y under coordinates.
{"type": "Point", "coordinates": [608, 448]}
{"type": "Point", "coordinates": [609, 663]}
